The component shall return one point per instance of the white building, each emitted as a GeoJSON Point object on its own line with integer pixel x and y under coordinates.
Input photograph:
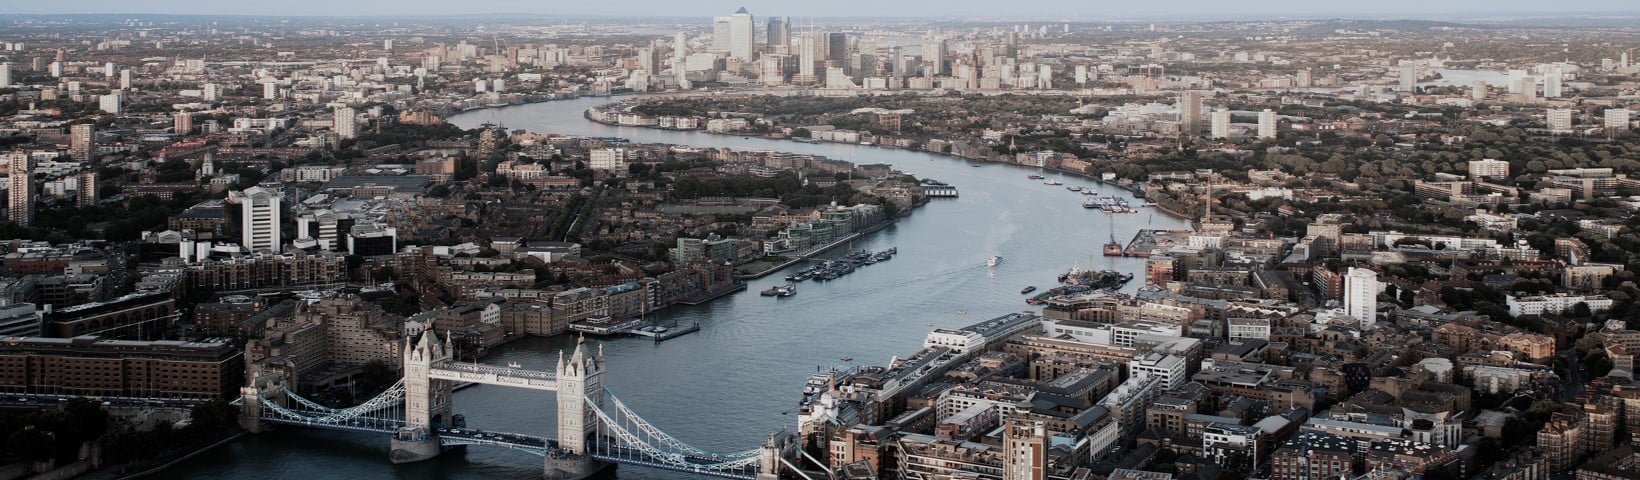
{"type": "Point", "coordinates": [1488, 168]}
{"type": "Point", "coordinates": [5, 74]}
{"type": "Point", "coordinates": [344, 122]}
{"type": "Point", "coordinates": [112, 103]}
{"type": "Point", "coordinates": [1169, 368]}
{"type": "Point", "coordinates": [213, 92]}
{"type": "Point", "coordinates": [1361, 295]}
{"type": "Point", "coordinates": [1408, 76]}
{"type": "Point", "coordinates": [1267, 124]}
{"type": "Point", "coordinates": [258, 218]}
{"type": "Point", "coordinates": [1617, 119]}
{"type": "Point", "coordinates": [1560, 120]}
{"type": "Point", "coordinates": [1221, 123]}
{"type": "Point", "coordinates": [612, 160]}
{"type": "Point", "coordinates": [734, 35]}
{"type": "Point", "coordinates": [1557, 303]}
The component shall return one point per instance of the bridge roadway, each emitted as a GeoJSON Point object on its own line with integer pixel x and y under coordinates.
{"type": "Point", "coordinates": [491, 375]}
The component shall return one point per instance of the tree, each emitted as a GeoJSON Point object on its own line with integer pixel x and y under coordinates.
{"type": "Point", "coordinates": [212, 416]}
{"type": "Point", "coordinates": [31, 444]}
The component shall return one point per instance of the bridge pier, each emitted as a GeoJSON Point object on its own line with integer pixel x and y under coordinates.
{"type": "Point", "coordinates": [572, 467]}
{"type": "Point", "coordinates": [413, 445]}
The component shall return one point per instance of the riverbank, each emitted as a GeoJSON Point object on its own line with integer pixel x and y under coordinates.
{"type": "Point", "coordinates": [603, 119]}
{"type": "Point", "coordinates": [820, 249]}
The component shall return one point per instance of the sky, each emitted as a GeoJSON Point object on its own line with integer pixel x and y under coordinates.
{"type": "Point", "coordinates": [1074, 10]}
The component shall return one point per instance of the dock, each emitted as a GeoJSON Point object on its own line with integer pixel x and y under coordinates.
{"type": "Point", "coordinates": [672, 331]}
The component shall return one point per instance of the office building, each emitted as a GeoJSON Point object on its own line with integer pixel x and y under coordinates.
{"type": "Point", "coordinates": [1190, 113]}
{"type": "Point", "coordinates": [1221, 123]}
{"type": "Point", "coordinates": [259, 216]}
{"type": "Point", "coordinates": [344, 123]}
{"type": "Point", "coordinates": [1361, 295]}
{"type": "Point", "coordinates": [325, 227]}
{"type": "Point", "coordinates": [1617, 119]}
{"type": "Point", "coordinates": [21, 191]}
{"type": "Point", "coordinates": [1559, 120]}
{"type": "Point", "coordinates": [837, 49]}
{"type": "Point", "coordinates": [81, 141]}
{"type": "Point", "coordinates": [19, 320]}
{"type": "Point", "coordinates": [780, 34]}
{"type": "Point", "coordinates": [734, 35]}
{"type": "Point", "coordinates": [934, 57]}
{"type": "Point", "coordinates": [1267, 124]}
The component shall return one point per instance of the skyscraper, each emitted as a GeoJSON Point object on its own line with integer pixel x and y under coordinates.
{"type": "Point", "coordinates": [21, 184]}
{"type": "Point", "coordinates": [837, 49]}
{"type": "Point", "coordinates": [1221, 123]}
{"type": "Point", "coordinates": [934, 57]}
{"type": "Point", "coordinates": [259, 217]}
{"type": "Point", "coordinates": [734, 34]}
{"type": "Point", "coordinates": [344, 126]}
{"type": "Point", "coordinates": [649, 61]}
{"type": "Point", "coordinates": [1267, 124]}
{"type": "Point", "coordinates": [779, 32]}
{"type": "Point", "coordinates": [806, 59]}
{"type": "Point", "coordinates": [1190, 113]}
{"type": "Point", "coordinates": [82, 141]}
{"type": "Point", "coordinates": [1361, 295]}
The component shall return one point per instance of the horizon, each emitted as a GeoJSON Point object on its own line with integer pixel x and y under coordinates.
{"type": "Point", "coordinates": [1037, 10]}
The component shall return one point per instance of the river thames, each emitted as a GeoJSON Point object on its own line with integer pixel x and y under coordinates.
{"type": "Point", "coordinates": [736, 381]}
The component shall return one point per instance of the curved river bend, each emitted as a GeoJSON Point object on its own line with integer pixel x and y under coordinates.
{"type": "Point", "coordinates": [737, 380]}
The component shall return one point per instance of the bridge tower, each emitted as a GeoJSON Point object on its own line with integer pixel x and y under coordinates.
{"type": "Point", "coordinates": [426, 401]}
{"type": "Point", "coordinates": [580, 390]}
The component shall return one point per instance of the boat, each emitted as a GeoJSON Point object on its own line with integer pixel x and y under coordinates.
{"type": "Point", "coordinates": [1053, 182]}
{"type": "Point", "coordinates": [1034, 177]}
{"type": "Point", "coordinates": [847, 358]}
{"type": "Point", "coordinates": [1028, 289]}
{"type": "Point", "coordinates": [1113, 249]}
{"type": "Point", "coordinates": [781, 291]}
{"type": "Point", "coordinates": [993, 261]}
{"type": "Point", "coordinates": [772, 291]}
{"type": "Point", "coordinates": [1074, 188]}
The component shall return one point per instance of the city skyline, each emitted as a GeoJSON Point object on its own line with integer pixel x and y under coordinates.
{"type": "Point", "coordinates": [1050, 10]}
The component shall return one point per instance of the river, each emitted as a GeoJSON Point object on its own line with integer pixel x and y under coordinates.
{"type": "Point", "coordinates": [737, 380]}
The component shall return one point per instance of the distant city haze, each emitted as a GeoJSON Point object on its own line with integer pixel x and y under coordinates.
{"type": "Point", "coordinates": [1082, 10]}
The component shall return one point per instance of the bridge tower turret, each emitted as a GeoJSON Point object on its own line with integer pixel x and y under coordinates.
{"type": "Point", "coordinates": [426, 401]}
{"type": "Point", "coordinates": [580, 390]}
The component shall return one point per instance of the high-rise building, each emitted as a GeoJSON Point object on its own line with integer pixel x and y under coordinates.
{"type": "Point", "coordinates": [113, 102]}
{"type": "Point", "coordinates": [21, 190]}
{"type": "Point", "coordinates": [1560, 120]}
{"type": "Point", "coordinates": [1551, 81]}
{"type": "Point", "coordinates": [344, 123]}
{"type": "Point", "coordinates": [1617, 119]}
{"type": "Point", "coordinates": [82, 140]}
{"type": "Point", "coordinates": [1221, 123]}
{"type": "Point", "coordinates": [1190, 113]}
{"type": "Point", "coordinates": [934, 57]}
{"type": "Point", "coordinates": [837, 49]}
{"type": "Point", "coordinates": [1361, 295]}
{"type": "Point", "coordinates": [270, 91]}
{"type": "Point", "coordinates": [5, 74]}
{"type": "Point", "coordinates": [806, 60]}
{"type": "Point", "coordinates": [182, 123]}
{"type": "Point", "coordinates": [1409, 76]}
{"type": "Point", "coordinates": [212, 92]}
{"type": "Point", "coordinates": [259, 217]}
{"type": "Point", "coordinates": [779, 32]}
{"type": "Point", "coordinates": [125, 79]}
{"type": "Point", "coordinates": [1267, 124]}
{"type": "Point", "coordinates": [649, 61]}
{"type": "Point", "coordinates": [1478, 92]}
{"type": "Point", "coordinates": [1025, 444]}
{"type": "Point", "coordinates": [734, 35]}
{"type": "Point", "coordinates": [87, 194]}
{"type": "Point", "coordinates": [680, 55]}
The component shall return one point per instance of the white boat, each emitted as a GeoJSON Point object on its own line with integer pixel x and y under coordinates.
{"type": "Point", "coordinates": [1053, 182]}
{"type": "Point", "coordinates": [993, 261]}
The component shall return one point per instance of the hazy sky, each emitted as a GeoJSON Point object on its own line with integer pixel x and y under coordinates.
{"type": "Point", "coordinates": [1054, 9]}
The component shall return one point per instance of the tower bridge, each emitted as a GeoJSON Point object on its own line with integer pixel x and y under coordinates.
{"type": "Point", "coordinates": [595, 430]}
